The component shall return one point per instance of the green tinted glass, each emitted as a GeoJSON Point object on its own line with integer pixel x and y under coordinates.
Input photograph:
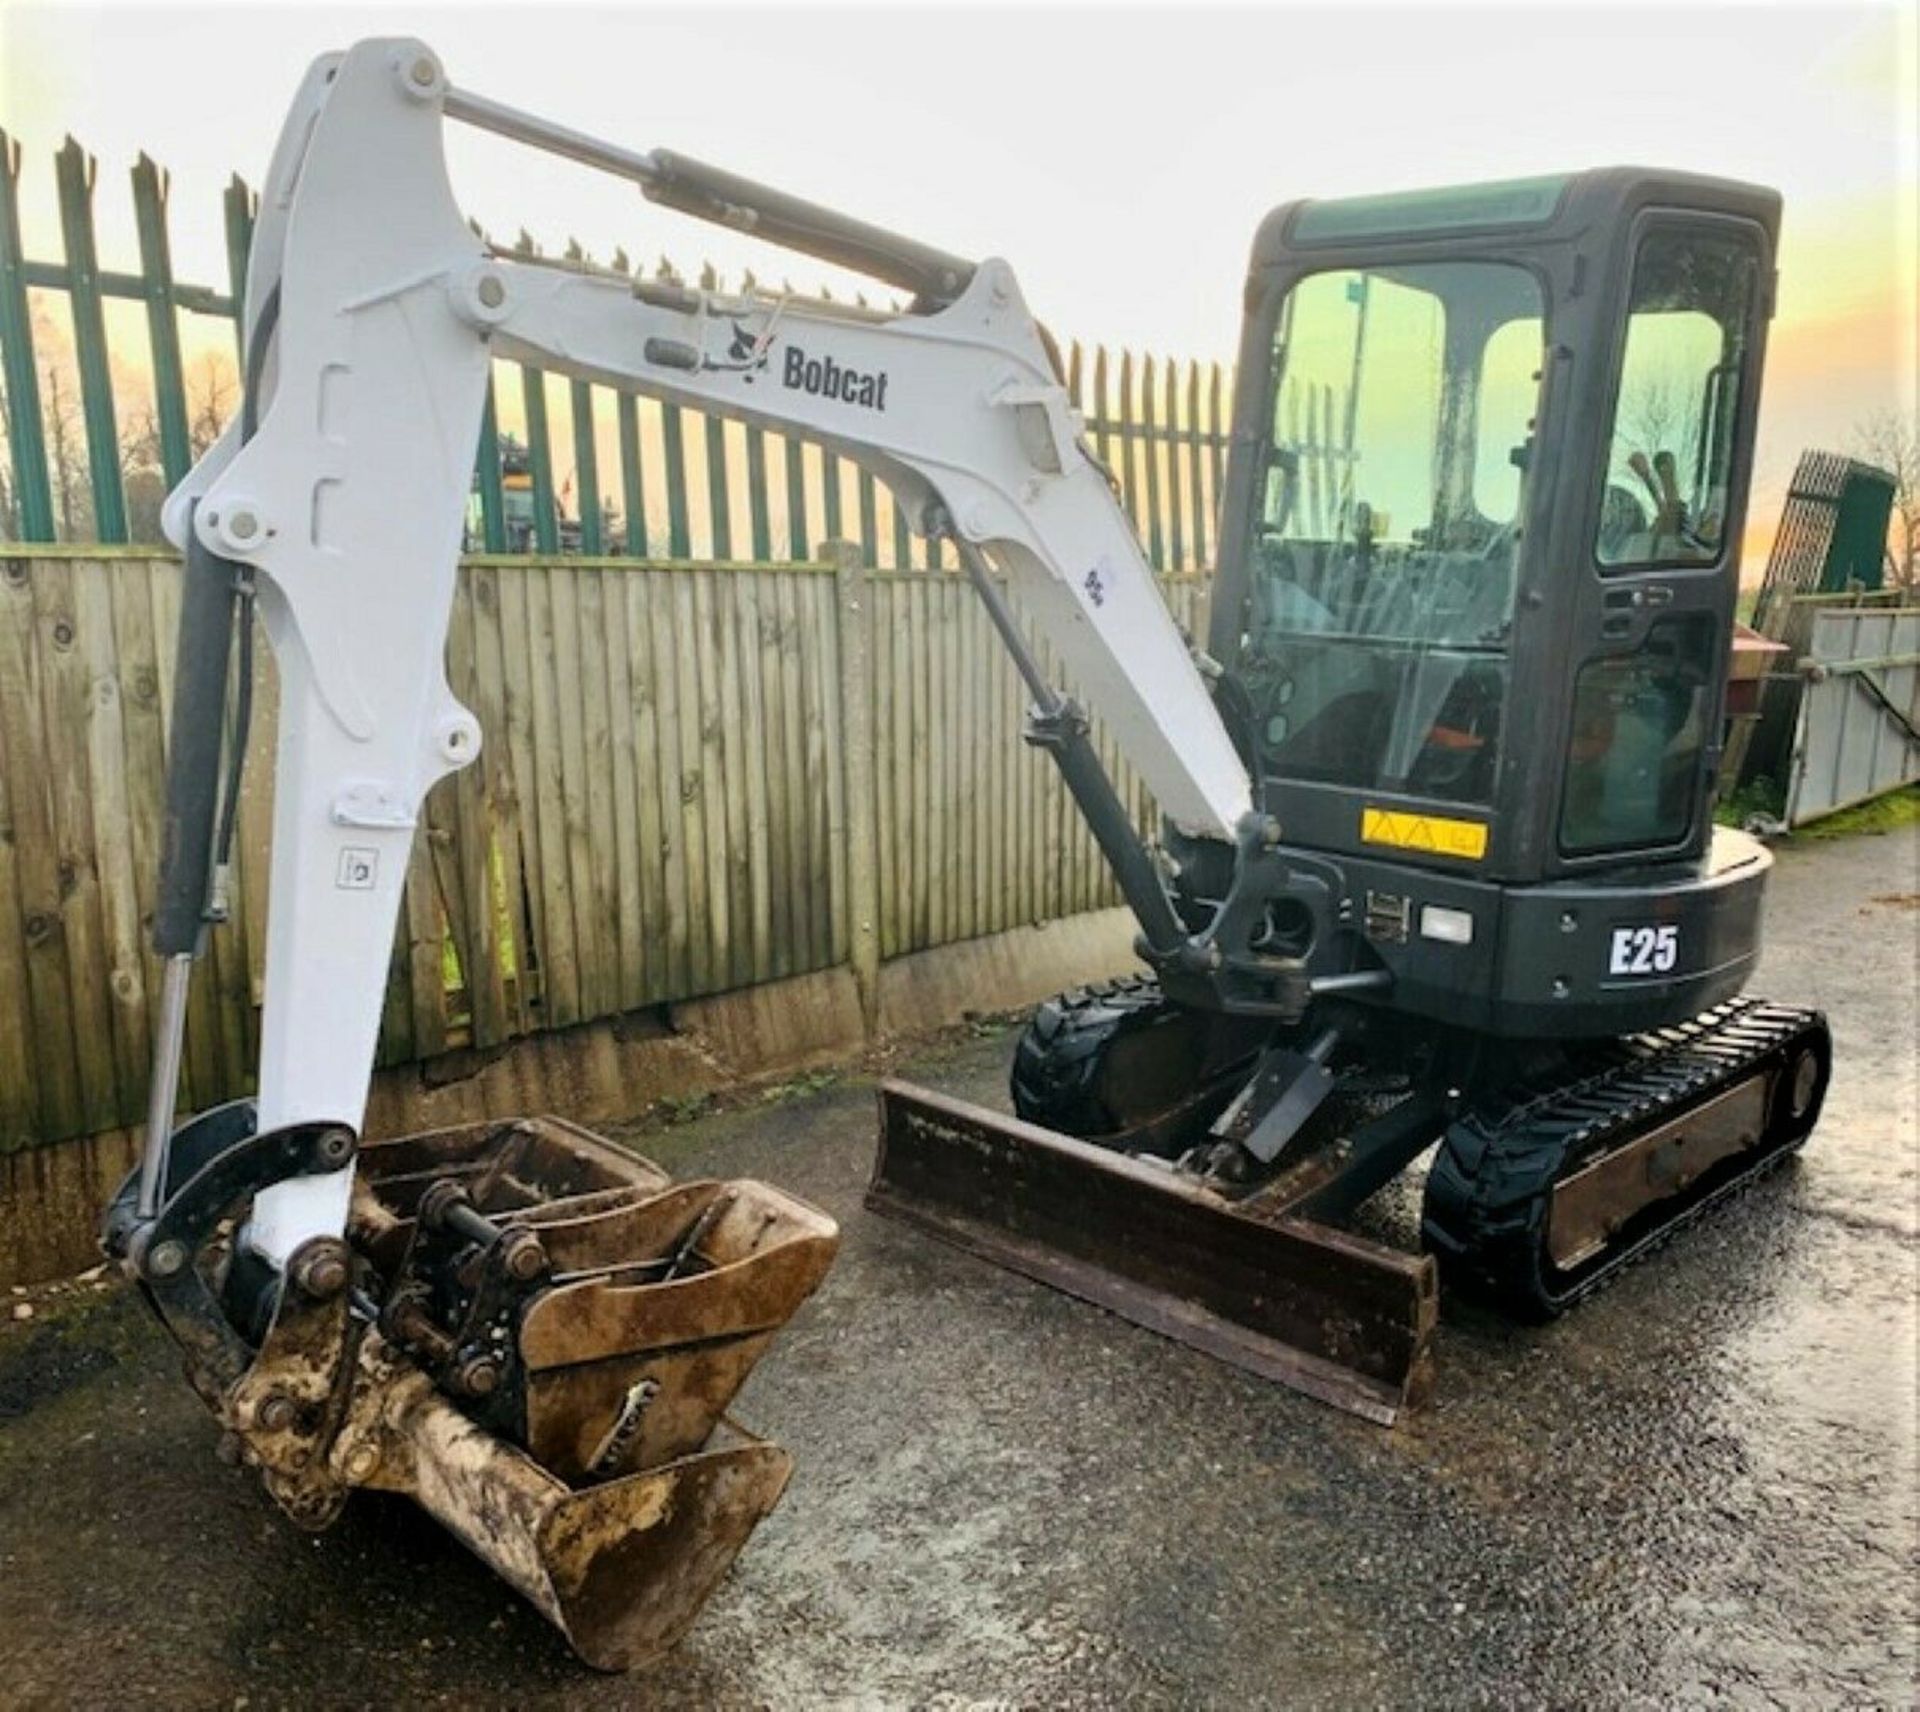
{"type": "Point", "coordinates": [1671, 452]}
{"type": "Point", "coordinates": [1639, 722]}
{"type": "Point", "coordinates": [1381, 594]}
{"type": "Point", "coordinates": [1503, 423]}
{"type": "Point", "coordinates": [1510, 202]}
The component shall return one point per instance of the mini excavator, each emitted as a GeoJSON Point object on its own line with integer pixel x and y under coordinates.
{"type": "Point", "coordinates": [1436, 865]}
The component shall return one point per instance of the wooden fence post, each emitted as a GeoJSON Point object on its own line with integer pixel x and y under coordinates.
{"type": "Point", "coordinates": [856, 758]}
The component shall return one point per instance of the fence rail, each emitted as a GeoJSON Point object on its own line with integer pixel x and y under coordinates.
{"type": "Point", "coordinates": [561, 465]}
{"type": "Point", "coordinates": [668, 804]}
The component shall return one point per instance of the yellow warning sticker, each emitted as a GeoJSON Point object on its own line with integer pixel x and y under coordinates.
{"type": "Point", "coordinates": [1434, 834]}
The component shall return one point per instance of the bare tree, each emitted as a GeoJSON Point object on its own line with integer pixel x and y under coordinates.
{"type": "Point", "coordinates": [67, 459]}
{"type": "Point", "coordinates": [142, 473]}
{"type": "Point", "coordinates": [1890, 440]}
{"type": "Point", "coordinates": [211, 391]}
{"type": "Point", "coordinates": [1651, 414]}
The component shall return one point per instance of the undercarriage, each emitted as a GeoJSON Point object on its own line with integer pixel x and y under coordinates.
{"type": "Point", "coordinates": [1543, 1191]}
{"type": "Point", "coordinates": [1129, 1179]}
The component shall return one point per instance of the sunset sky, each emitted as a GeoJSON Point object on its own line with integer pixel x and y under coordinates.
{"type": "Point", "coordinates": [1119, 159]}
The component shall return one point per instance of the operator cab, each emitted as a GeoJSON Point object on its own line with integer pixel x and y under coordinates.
{"type": "Point", "coordinates": [1477, 585]}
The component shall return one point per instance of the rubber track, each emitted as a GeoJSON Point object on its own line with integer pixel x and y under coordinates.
{"type": "Point", "coordinates": [1491, 1184]}
{"type": "Point", "coordinates": [1056, 1066]}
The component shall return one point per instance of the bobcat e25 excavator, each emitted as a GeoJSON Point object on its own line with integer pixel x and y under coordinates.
{"type": "Point", "coordinates": [1436, 862]}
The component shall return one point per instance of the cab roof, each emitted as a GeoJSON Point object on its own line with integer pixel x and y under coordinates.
{"type": "Point", "coordinates": [1546, 208]}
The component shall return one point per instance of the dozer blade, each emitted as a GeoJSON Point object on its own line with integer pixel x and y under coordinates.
{"type": "Point", "coordinates": [1345, 1320]}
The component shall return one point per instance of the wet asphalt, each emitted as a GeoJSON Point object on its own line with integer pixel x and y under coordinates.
{"type": "Point", "coordinates": [1702, 1488]}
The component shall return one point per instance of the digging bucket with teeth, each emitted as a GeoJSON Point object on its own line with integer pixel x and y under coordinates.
{"type": "Point", "coordinates": [534, 1334]}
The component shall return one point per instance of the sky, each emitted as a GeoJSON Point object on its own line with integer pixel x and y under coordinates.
{"type": "Point", "coordinates": [1119, 158]}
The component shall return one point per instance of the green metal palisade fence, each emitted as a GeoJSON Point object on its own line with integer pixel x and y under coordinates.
{"type": "Point", "coordinates": [29, 514]}
{"type": "Point", "coordinates": [604, 473]}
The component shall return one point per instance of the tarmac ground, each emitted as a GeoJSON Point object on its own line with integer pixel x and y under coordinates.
{"type": "Point", "coordinates": [1700, 1488]}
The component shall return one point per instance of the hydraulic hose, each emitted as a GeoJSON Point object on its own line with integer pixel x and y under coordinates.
{"type": "Point", "coordinates": [201, 810]}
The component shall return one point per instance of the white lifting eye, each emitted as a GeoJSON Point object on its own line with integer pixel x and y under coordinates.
{"type": "Point", "coordinates": [481, 296]}
{"type": "Point", "coordinates": [458, 739]}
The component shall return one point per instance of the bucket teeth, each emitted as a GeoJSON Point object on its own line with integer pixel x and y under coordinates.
{"type": "Point", "coordinates": [540, 1344]}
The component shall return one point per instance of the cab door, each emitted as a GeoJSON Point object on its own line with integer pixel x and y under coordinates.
{"type": "Point", "coordinates": [1652, 630]}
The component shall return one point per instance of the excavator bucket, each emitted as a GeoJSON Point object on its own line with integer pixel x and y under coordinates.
{"type": "Point", "coordinates": [534, 1334]}
{"type": "Point", "coordinates": [1254, 1283]}
{"type": "Point", "coordinates": [656, 1300]}
{"type": "Point", "coordinates": [621, 1567]}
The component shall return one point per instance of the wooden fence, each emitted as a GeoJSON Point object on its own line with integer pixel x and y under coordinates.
{"type": "Point", "coordinates": [101, 420]}
{"type": "Point", "coordinates": [675, 798]}
{"type": "Point", "coordinates": [700, 774]}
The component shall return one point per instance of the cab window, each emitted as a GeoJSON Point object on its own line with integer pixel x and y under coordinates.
{"type": "Point", "coordinates": [1639, 723]}
{"type": "Point", "coordinates": [1509, 394]}
{"type": "Point", "coordinates": [1670, 449]}
{"type": "Point", "coordinates": [1388, 525]}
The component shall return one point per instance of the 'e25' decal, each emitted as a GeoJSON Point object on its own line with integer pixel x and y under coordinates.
{"type": "Point", "coordinates": [1644, 951]}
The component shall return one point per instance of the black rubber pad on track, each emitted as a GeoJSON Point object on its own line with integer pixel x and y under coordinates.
{"type": "Point", "coordinates": [1491, 1186]}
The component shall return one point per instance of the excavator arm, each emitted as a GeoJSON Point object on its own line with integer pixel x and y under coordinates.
{"type": "Point", "coordinates": [534, 1334]}
{"type": "Point", "coordinates": [344, 504]}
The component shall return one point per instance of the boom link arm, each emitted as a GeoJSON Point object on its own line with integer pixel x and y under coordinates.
{"type": "Point", "coordinates": [348, 503]}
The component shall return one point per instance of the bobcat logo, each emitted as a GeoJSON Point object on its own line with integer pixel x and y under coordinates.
{"type": "Point", "coordinates": [822, 377]}
{"type": "Point", "coordinates": [748, 353]}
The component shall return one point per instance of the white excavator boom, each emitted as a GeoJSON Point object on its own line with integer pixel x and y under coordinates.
{"type": "Point", "coordinates": [346, 498]}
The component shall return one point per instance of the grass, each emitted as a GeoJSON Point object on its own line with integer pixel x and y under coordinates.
{"type": "Point", "coordinates": [800, 1087]}
{"type": "Point", "coordinates": [1883, 814]}
{"type": "Point", "coordinates": [1759, 796]}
